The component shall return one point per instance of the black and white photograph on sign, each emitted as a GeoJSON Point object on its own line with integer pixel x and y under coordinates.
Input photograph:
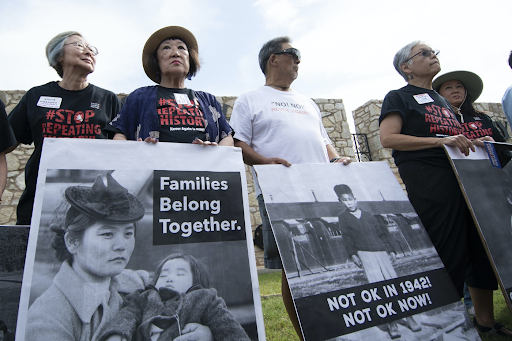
{"type": "Point", "coordinates": [13, 248]}
{"type": "Point", "coordinates": [140, 254]}
{"type": "Point", "coordinates": [358, 261]}
{"type": "Point", "coordinates": [488, 192]}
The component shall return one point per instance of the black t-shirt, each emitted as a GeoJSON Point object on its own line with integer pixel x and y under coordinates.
{"type": "Point", "coordinates": [482, 125]}
{"type": "Point", "coordinates": [424, 113]}
{"type": "Point", "coordinates": [7, 139]}
{"type": "Point", "coordinates": [51, 111]}
{"type": "Point", "coordinates": [181, 119]}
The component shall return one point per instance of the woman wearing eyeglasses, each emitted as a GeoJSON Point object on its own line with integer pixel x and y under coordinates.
{"type": "Point", "coordinates": [171, 112]}
{"type": "Point", "coordinates": [71, 107]}
{"type": "Point", "coordinates": [416, 121]}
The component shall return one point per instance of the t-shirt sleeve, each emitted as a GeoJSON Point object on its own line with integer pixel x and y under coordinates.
{"type": "Point", "coordinates": [121, 121]}
{"type": "Point", "coordinates": [393, 103]}
{"type": "Point", "coordinates": [506, 101]}
{"type": "Point", "coordinates": [241, 121]}
{"type": "Point", "coordinates": [18, 118]}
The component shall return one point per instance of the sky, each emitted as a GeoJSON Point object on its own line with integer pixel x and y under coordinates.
{"type": "Point", "coordinates": [347, 46]}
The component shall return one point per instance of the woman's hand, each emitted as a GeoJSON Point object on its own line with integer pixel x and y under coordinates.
{"type": "Point", "coordinates": [204, 143]}
{"type": "Point", "coordinates": [460, 141]}
{"type": "Point", "coordinates": [480, 141]}
{"type": "Point", "coordinates": [149, 140]}
{"type": "Point", "coordinates": [195, 332]}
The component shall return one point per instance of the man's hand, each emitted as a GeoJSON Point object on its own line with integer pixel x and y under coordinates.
{"type": "Point", "coordinates": [277, 161]}
{"type": "Point", "coordinates": [344, 160]}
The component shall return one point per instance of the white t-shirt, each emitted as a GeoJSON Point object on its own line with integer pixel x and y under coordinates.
{"type": "Point", "coordinates": [280, 124]}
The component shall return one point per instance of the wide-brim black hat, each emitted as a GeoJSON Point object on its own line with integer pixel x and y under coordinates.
{"type": "Point", "coordinates": [111, 203]}
{"type": "Point", "coordinates": [157, 38]}
{"type": "Point", "coordinates": [472, 82]}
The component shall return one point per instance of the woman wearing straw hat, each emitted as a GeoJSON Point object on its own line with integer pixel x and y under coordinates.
{"type": "Point", "coordinates": [71, 107]}
{"type": "Point", "coordinates": [170, 112]}
{"type": "Point", "coordinates": [461, 89]}
{"type": "Point", "coordinates": [94, 239]}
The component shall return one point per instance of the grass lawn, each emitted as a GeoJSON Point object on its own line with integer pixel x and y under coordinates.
{"type": "Point", "coordinates": [279, 328]}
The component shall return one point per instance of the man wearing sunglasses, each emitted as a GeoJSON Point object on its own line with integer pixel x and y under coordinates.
{"type": "Point", "coordinates": [276, 125]}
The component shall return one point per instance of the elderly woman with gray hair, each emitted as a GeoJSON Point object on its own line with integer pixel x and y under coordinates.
{"type": "Point", "coordinates": [416, 122]}
{"type": "Point", "coordinates": [71, 107]}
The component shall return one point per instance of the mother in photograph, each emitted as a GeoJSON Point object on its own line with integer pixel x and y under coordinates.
{"type": "Point", "coordinates": [94, 239]}
{"type": "Point", "coordinates": [71, 107]}
{"type": "Point", "coordinates": [170, 112]}
{"type": "Point", "coordinates": [416, 122]}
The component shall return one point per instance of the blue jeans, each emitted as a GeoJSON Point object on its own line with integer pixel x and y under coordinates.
{"type": "Point", "coordinates": [270, 251]}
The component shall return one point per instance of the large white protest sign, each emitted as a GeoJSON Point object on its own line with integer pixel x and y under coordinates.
{"type": "Point", "coordinates": [488, 193]}
{"type": "Point", "coordinates": [358, 261]}
{"type": "Point", "coordinates": [195, 226]}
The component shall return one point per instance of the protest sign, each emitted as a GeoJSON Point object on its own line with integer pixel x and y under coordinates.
{"type": "Point", "coordinates": [13, 247]}
{"type": "Point", "coordinates": [358, 261]}
{"type": "Point", "coordinates": [185, 215]}
{"type": "Point", "coordinates": [488, 193]}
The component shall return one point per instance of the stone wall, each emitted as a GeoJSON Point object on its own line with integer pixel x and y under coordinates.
{"type": "Point", "coordinates": [333, 115]}
{"type": "Point", "coordinates": [366, 120]}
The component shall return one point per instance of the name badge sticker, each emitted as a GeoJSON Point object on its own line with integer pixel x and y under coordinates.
{"type": "Point", "coordinates": [49, 102]}
{"type": "Point", "coordinates": [182, 99]}
{"type": "Point", "coordinates": [423, 98]}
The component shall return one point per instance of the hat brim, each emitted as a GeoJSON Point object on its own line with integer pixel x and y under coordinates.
{"type": "Point", "coordinates": [157, 38]}
{"type": "Point", "coordinates": [472, 82]}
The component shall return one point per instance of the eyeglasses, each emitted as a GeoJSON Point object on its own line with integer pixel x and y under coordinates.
{"type": "Point", "coordinates": [291, 51]}
{"type": "Point", "coordinates": [81, 46]}
{"type": "Point", "coordinates": [424, 53]}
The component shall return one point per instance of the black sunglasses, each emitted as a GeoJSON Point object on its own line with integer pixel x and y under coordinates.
{"type": "Point", "coordinates": [291, 51]}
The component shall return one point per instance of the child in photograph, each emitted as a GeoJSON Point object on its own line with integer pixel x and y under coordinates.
{"type": "Point", "coordinates": [367, 243]}
{"type": "Point", "coordinates": [179, 300]}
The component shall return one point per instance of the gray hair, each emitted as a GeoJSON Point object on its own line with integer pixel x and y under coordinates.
{"type": "Point", "coordinates": [269, 48]}
{"type": "Point", "coordinates": [55, 47]}
{"type": "Point", "coordinates": [402, 55]}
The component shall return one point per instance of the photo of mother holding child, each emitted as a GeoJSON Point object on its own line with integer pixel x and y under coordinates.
{"type": "Point", "coordinates": [94, 240]}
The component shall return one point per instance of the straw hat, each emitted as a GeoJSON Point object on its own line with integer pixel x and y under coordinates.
{"type": "Point", "coordinates": [472, 82]}
{"type": "Point", "coordinates": [156, 39]}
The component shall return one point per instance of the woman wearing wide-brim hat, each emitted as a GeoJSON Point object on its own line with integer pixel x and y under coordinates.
{"type": "Point", "coordinates": [461, 89]}
{"type": "Point", "coordinates": [94, 237]}
{"type": "Point", "coordinates": [169, 111]}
